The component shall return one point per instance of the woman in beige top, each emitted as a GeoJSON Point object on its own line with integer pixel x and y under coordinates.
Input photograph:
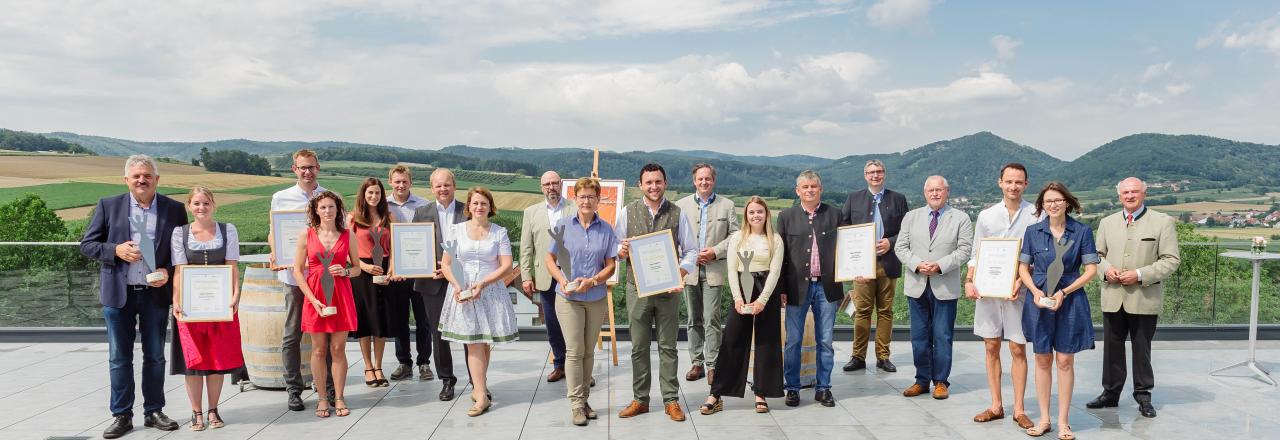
{"type": "Point", "coordinates": [755, 262]}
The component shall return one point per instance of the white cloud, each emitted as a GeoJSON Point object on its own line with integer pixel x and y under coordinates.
{"type": "Point", "coordinates": [1005, 47]}
{"type": "Point", "coordinates": [1263, 36]}
{"type": "Point", "coordinates": [911, 106]}
{"type": "Point", "coordinates": [1156, 70]}
{"type": "Point", "coordinates": [896, 13]}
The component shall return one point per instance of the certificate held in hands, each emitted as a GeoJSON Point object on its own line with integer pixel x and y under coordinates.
{"type": "Point", "coordinates": [413, 250]}
{"type": "Point", "coordinates": [996, 267]}
{"type": "Point", "coordinates": [204, 292]}
{"type": "Point", "coordinates": [654, 263]}
{"type": "Point", "coordinates": [286, 226]}
{"type": "Point", "coordinates": [856, 252]}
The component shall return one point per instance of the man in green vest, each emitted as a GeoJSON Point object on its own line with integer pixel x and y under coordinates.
{"type": "Point", "coordinates": [653, 213]}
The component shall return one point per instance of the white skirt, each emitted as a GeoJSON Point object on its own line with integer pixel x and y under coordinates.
{"type": "Point", "coordinates": [489, 319]}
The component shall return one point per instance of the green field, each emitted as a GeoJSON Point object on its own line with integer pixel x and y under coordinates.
{"type": "Point", "coordinates": [73, 194]}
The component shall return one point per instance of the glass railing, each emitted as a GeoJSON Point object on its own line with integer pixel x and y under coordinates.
{"type": "Point", "coordinates": [52, 285]}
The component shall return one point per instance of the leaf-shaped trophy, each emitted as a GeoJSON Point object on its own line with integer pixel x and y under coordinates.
{"type": "Point", "coordinates": [326, 283]}
{"type": "Point", "coordinates": [147, 247]}
{"type": "Point", "coordinates": [748, 283]}
{"type": "Point", "coordinates": [455, 268]}
{"type": "Point", "coordinates": [378, 253]}
{"type": "Point", "coordinates": [564, 258]}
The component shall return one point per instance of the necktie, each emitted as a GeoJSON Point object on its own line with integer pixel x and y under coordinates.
{"type": "Point", "coordinates": [1128, 219]}
{"type": "Point", "coordinates": [933, 222]}
{"type": "Point", "coordinates": [876, 216]}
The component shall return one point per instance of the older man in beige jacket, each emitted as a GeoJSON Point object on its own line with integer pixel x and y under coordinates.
{"type": "Point", "coordinates": [1139, 249]}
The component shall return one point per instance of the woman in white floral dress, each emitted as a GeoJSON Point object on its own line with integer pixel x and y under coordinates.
{"type": "Point", "coordinates": [480, 312]}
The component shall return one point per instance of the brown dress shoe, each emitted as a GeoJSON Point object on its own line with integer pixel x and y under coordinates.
{"type": "Point", "coordinates": [673, 410]}
{"type": "Point", "coordinates": [986, 416]}
{"type": "Point", "coordinates": [633, 409]}
{"type": "Point", "coordinates": [556, 375]}
{"type": "Point", "coordinates": [1023, 421]}
{"type": "Point", "coordinates": [914, 390]}
{"type": "Point", "coordinates": [695, 373]}
{"type": "Point", "coordinates": [940, 391]}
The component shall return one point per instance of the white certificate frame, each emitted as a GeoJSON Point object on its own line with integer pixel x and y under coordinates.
{"type": "Point", "coordinates": [848, 252]}
{"type": "Point", "coordinates": [399, 236]}
{"type": "Point", "coordinates": [285, 234]}
{"type": "Point", "coordinates": [996, 267]}
{"type": "Point", "coordinates": [662, 269]}
{"type": "Point", "coordinates": [613, 194]}
{"type": "Point", "coordinates": [191, 283]}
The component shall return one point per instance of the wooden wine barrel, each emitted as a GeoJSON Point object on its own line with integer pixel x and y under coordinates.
{"type": "Point", "coordinates": [262, 329]}
{"type": "Point", "coordinates": [808, 351]}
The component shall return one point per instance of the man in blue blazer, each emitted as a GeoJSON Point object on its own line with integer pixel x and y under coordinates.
{"type": "Point", "coordinates": [131, 304]}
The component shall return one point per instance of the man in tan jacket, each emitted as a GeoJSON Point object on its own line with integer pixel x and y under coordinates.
{"type": "Point", "coordinates": [1139, 249]}
{"type": "Point", "coordinates": [535, 240]}
{"type": "Point", "coordinates": [713, 221]}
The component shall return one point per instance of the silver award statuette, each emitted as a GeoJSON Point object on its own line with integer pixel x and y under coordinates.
{"type": "Point", "coordinates": [378, 253]}
{"type": "Point", "coordinates": [564, 258]}
{"type": "Point", "coordinates": [1048, 302]}
{"type": "Point", "coordinates": [455, 267]}
{"type": "Point", "coordinates": [148, 248]}
{"type": "Point", "coordinates": [326, 283]}
{"type": "Point", "coordinates": [747, 282]}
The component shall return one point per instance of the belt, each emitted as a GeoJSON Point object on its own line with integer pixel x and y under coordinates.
{"type": "Point", "coordinates": [814, 279]}
{"type": "Point", "coordinates": [137, 287]}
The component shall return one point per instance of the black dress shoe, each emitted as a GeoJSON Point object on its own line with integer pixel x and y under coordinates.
{"type": "Point", "coordinates": [404, 371]}
{"type": "Point", "coordinates": [446, 389]}
{"type": "Point", "coordinates": [825, 398]}
{"type": "Point", "coordinates": [159, 421]}
{"type": "Point", "coordinates": [121, 426]}
{"type": "Point", "coordinates": [295, 402]}
{"type": "Point", "coordinates": [1145, 408]}
{"type": "Point", "coordinates": [793, 398]}
{"type": "Point", "coordinates": [886, 365]}
{"type": "Point", "coordinates": [1103, 401]}
{"type": "Point", "coordinates": [855, 364]}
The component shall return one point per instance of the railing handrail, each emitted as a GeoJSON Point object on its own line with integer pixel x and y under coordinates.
{"type": "Point", "coordinates": [263, 243]}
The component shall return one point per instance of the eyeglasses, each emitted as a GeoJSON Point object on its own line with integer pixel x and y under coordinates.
{"type": "Point", "coordinates": [311, 168]}
{"type": "Point", "coordinates": [588, 198]}
{"type": "Point", "coordinates": [1055, 201]}
{"type": "Point", "coordinates": [552, 184]}
{"type": "Point", "coordinates": [873, 173]}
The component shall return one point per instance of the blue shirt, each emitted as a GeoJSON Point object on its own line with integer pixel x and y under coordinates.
{"type": "Point", "coordinates": [1038, 251]}
{"type": "Point", "coordinates": [702, 218]}
{"type": "Point", "coordinates": [138, 270]}
{"type": "Point", "coordinates": [588, 249]}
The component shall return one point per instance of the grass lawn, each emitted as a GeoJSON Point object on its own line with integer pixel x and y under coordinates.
{"type": "Point", "coordinates": [73, 194]}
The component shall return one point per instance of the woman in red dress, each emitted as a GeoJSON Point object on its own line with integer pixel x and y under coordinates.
{"type": "Point", "coordinates": [204, 352]}
{"type": "Point", "coordinates": [331, 262]}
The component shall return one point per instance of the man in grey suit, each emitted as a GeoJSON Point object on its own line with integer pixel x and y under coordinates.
{"type": "Point", "coordinates": [935, 240]}
{"type": "Point", "coordinates": [713, 220]}
{"type": "Point", "coordinates": [444, 213]}
{"type": "Point", "coordinates": [535, 241]}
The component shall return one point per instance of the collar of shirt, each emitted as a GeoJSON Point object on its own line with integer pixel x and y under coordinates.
{"type": "Point", "coordinates": [813, 213]}
{"type": "Point", "coordinates": [1136, 214]}
{"type": "Point", "coordinates": [413, 198]}
{"type": "Point", "coordinates": [941, 211]}
{"type": "Point", "coordinates": [445, 208]}
{"type": "Point", "coordinates": [595, 220]}
{"type": "Point", "coordinates": [556, 207]}
{"type": "Point", "coordinates": [704, 203]}
{"type": "Point", "coordinates": [654, 212]}
{"type": "Point", "coordinates": [1070, 228]}
{"type": "Point", "coordinates": [876, 197]}
{"type": "Point", "coordinates": [133, 202]}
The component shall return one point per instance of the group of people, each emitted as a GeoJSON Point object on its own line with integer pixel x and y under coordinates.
{"type": "Point", "coordinates": [775, 275]}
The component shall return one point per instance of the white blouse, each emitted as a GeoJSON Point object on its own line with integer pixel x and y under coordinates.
{"type": "Point", "coordinates": [760, 261]}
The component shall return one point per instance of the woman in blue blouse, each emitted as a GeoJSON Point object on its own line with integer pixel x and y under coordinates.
{"type": "Point", "coordinates": [581, 259]}
{"type": "Point", "coordinates": [1057, 319]}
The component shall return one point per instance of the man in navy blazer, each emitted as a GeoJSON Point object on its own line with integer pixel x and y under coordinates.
{"type": "Point", "coordinates": [130, 304]}
{"type": "Point", "coordinates": [885, 208]}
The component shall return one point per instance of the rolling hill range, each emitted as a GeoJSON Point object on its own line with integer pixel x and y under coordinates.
{"type": "Point", "coordinates": [969, 162]}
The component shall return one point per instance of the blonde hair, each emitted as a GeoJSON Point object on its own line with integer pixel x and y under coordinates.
{"type": "Point", "coordinates": [200, 190]}
{"type": "Point", "coordinates": [586, 183]}
{"type": "Point", "coordinates": [399, 169]}
{"type": "Point", "coordinates": [304, 153]}
{"type": "Point", "coordinates": [746, 230]}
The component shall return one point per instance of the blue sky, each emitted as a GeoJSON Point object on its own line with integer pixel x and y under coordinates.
{"type": "Point", "coordinates": [828, 78]}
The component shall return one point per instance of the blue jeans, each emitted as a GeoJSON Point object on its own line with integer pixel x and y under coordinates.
{"type": "Point", "coordinates": [824, 321]}
{"type": "Point", "coordinates": [933, 323]}
{"type": "Point", "coordinates": [140, 314]}
{"type": "Point", "coordinates": [554, 336]}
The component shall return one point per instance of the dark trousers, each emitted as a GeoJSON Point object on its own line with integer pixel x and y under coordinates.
{"type": "Point", "coordinates": [735, 349]}
{"type": "Point", "coordinates": [933, 324]}
{"type": "Point", "coordinates": [433, 298]}
{"type": "Point", "coordinates": [401, 299]}
{"type": "Point", "coordinates": [1139, 329]}
{"type": "Point", "coordinates": [291, 344]}
{"type": "Point", "coordinates": [140, 315]}
{"type": "Point", "coordinates": [554, 336]}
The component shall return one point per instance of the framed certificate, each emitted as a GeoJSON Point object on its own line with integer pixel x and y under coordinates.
{"type": "Point", "coordinates": [856, 252]}
{"type": "Point", "coordinates": [996, 267]}
{"type": "Point", "coordinates": [204, 292]}
{"type": "Point", "coordinates": [286, 226]}
{"type": "Point", "coordinates": [413, 250]}
{"type": "Point", "coordinates": [654, 263]}
{"type": "Point", "coordinates": [612, 199]}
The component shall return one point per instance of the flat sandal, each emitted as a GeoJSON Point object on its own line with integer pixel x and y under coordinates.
{"type": "Point", "coordinates": [1040, 429]}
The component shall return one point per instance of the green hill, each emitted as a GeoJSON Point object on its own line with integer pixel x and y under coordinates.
{"type": "Point", "coordinates": [1162, 157]}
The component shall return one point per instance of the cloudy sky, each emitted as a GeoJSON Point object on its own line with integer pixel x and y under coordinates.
{"type": "Point", "coordinates": [826, 77]}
